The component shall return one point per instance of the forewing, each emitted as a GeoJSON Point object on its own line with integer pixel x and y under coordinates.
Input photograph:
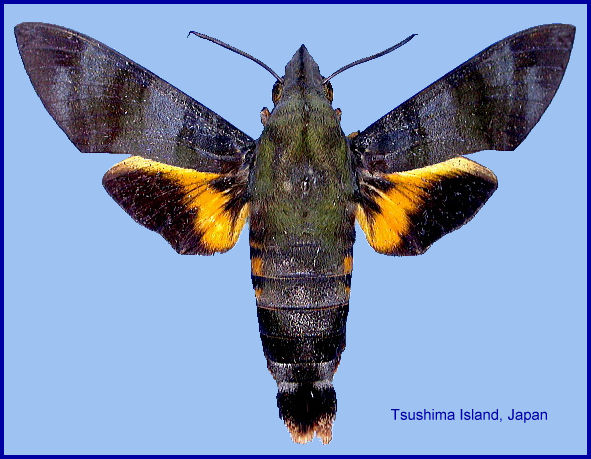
{"type": "Point", "coordinates": [106, 103]}
{"type": "Point", "coordinates": [490, 102]}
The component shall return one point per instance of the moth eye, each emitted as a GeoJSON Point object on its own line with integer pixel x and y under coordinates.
{"type": "Point", "coordinates": [277, 92]}
{"type": "Point", "coordinates": [328, 91]}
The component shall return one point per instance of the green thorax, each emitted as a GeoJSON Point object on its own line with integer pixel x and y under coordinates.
{"type": "Point", "coordinates": [302, 182]}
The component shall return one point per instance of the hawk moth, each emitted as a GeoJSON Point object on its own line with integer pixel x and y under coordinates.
{"type": "Point", "coordinates": [196, 179]}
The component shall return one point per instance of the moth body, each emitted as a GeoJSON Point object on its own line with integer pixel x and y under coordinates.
{"type": "Point", "coordinates": [195, 178]}
{"type": "Point", "coordinates": [302, 215]}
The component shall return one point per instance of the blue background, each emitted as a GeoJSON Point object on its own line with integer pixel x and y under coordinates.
{"type": "Point", "coordinates": [116, 344]}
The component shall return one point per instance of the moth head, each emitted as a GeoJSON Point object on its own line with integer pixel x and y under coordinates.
{"type": "Point", "coordinates": [302, 69]}
{"type": "Point", "coordinates": [277, 91]}
{"type": "Point", "coordinates": [302, 75]}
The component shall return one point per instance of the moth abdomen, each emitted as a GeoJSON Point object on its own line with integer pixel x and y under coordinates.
{"type": "Point", "coordinates": [302, 318]}
{"type": "Point", "coordinates": [302, 292]}
{"type": "Point", "coordinates": [303, 347]}
{"type": "Point", "coordinates": [298, 322]}
{"type": "Point", "coordinates": [308, 408]}
{"type": "Point", "coordinates": [293, 336]}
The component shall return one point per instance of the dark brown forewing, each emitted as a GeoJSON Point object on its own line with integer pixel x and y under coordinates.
{"type": "Point", "coordinates": [107, 103]}
{"type": "Point", "coordinates": [490, 102]}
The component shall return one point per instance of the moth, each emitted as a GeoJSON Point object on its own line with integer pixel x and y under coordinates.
{"type": "Point", "coordinates": [196, 179]}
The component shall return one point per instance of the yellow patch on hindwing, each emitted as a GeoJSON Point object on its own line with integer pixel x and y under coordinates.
{"type": "Point", "coordinates": [197, 212]}
{"type": "Point", "coordinates": [403, 213]}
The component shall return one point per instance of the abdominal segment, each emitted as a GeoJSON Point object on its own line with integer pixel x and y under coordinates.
{"type": "Point", "coordinates": [302, 292]}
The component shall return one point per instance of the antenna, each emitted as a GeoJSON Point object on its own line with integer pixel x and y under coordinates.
{"type": "Point", "coordinates": [375, 56]}
{"type": "Point", "coordinates": [237, 51]}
